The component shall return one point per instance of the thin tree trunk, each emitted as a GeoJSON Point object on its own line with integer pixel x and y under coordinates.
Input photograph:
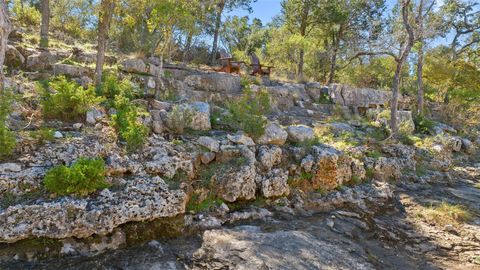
{"type": "Point", "coordinates": [218, 24]}
{"type": "Point", "coordinates": [333, 66]}
{"type": "Point", "coordinates": [106, 12]}
{"type": "Point", "coordinates": [188, 45]}
{"type": "Point", "coordinates": [303, 29]}
{"type": "Point", "coordinates": [45, 24]}
{"type": "Point", "coordinates": [5, 28]}
{"type": "Point", "coordinates": [398, 71]}
{"type": "Point", "coordinates": [420, 93]}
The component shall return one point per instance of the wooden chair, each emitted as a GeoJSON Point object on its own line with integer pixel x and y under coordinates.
{"type": "Point", "coordinates": [228, 65]}
{"type": "Point", "coordinates": [258, 68]}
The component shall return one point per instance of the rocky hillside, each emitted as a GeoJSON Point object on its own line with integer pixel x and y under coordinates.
{"type": "Point", "coordinates": [183, 150]}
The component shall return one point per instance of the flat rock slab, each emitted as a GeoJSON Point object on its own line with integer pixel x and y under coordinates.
{"type": "Point", "coordinates": [247, 247]}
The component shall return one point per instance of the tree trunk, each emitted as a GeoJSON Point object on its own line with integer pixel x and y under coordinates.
{"type": "Point", "coordinates": [218, 24]}
{"type": "Point", "coordinates": [420, 93]}
{"type": "Point", "coordinates": [303, 29]}
{"type": "Point", "coordinates": [188, 45]}
{"type": "Point", "coordinates": [333, 66]}
{"type": "Point", "coordinates": [5, 27]}
{"type": "Point", "coordinates": [106, 12]}
{"type": "Point", "coordinates": [45, 24]}
{"type": "Point", "coordinates": [398, 71]}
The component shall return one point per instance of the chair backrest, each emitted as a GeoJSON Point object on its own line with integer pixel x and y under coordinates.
{"type": "Point", "coordinates": [224, 54]}
{"type": "Point", "coordinates": [255, 60]}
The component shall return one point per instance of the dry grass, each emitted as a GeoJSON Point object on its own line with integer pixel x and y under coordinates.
{"type": "Point", "coordinates": [477, 185]}
{"type": "Point", "coordinates": [446, 213]}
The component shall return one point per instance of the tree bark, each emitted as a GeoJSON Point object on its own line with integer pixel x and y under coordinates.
{"type": "Point", "coordinates": [398, 71]}
{"type": "Point", "coordinates": [420, 93]}
{"type": "Point", "coordinates": [44, 28]}
{"type": "Point", "coordinates": [105, 16]}
{"type": "Point", "coordinates": [303, 30]}
{"type": "Point", "coordinates": [5, 28]}
{"type": "Point", "coordinates": [188, 45]}
{"type": "Point", "coordinates": [218, 24]}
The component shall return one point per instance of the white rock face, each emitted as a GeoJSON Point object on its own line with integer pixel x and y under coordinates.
{"type": "Point", "coordinates": [143, 199]}
{"type": "Point", "coordinates": [275, 184]}
{"type": "Point", "coordinates": [274, 134]}
{"type": "Point", "coordinates": [237, 184]}
{"type": "Point", "coordinates": [201, 117]}
{"type": "Point", "coordinates": [93, 116]}
{"type": "Point", "coordinates": [241, 139]}
{"type": "Point", "coordinates": [71, 70]}
{"type": "Point", "coordinates": [300, 134]}
{"type": "Point", "coordinates": [269, 156]}
{"type": "Point", "coordinates": [40, 61]}
{"type": "Point", "coordinates": [134, 66]}
{"type": "Point", "coordinates": [214, 82]}
{"type": "Point", "coordinates": [10, 167]}
{"type": "Point", "coordinates": [209, 143]}
{"type": "Point", "coordinates": [58, 135]}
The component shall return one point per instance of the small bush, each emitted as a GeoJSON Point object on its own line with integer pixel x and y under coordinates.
{"type": "Point", "coordinates": [127, 124]}
{"type": "Point", "coordinates": [248, 113]}
{"type": "Point", "coordinates": [83, 177]}
{"type": "Point", "coordinates": [66, 100]}
{"type": "Point", "coordinates": [423, 125]}
{"type": "Point", "coordinates": [43, 135]}
{"type": "Point", "coordinates": [179, 118]}
{"type": "Point", "coordinates": [7, 137]}
{"type": "Point", "coordinates": [26, 14]}
{"type": "Point", "coordinates": [111, 87]}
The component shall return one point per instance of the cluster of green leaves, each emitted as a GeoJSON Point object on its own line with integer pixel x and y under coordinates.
{"type": "Point", "coordinates": [112, 87]}
{"type": "Point", "coordinates": [25, 13]}
{"type": "Point", "coordinates": [66, 100]}
{"type": "Point", "coordinates": [83, 177]}
{"type": "Point", "coordinates": [248, 113]}
{"type": "Point", "coordinates": [128, 125]}
{"type": "Point", "coordinates": [423, 124]}
{"type": "Point", "coordinates": [43, 135]}
{"type": "Point", "coordinates": [7, 137]}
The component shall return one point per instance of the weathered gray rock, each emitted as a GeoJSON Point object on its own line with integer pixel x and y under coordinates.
{"type": "Point", "coordinates": [300, 134]}
{"type": "Point", "coordinates": [237, 183]}
{"type": "Point", "coordinates": [275, 184]}
{"type": "Point", "coordinates": [361, 97]}
{"type": "Point", "coordinates": [284, 96]}
{"type": "Point", "coordinates": [13, 58]}
{"type": "Point", "coordinates": [207, 157]}
{"type": "Point", "coordinates": [71, 70]}
{"type": "Point", "coordinates": [404, 118]}
{"type": "Point", "coordinates": [10, 167]}
{"type": "Point", "coordinates": [269, 156]}
{"type": "Point", "coordinates": [215, 82]}
{"type": "Point", "coordinates": [468, 146]}
{"type": "Point", "coordinates": [247, 247]}
{"type": "Point", "coordinates": [441, 128]}
{"type": "Point", "coordinates": [94, 115]}
{"type": "Point", "coordinates": [134, 65]}
{"type": "Point", "coordinates": [142, 199]}
{"type": "Point", "coordinates": [209, 143]}
{"type": "Point", "coordinates": [58, 135]}
{"type": "Point", "coordinates": [201, 116]}
{"type": "Point", "coordinates": [274, 134]}
{"type": "Point", "coordinates": [241, 139]}
{"type": "Point", "coordinates": [40, 61]}
{"type": "Point", "coordinates": [455, 144]}
{"type": "Point", "coordinates": [160, 105]}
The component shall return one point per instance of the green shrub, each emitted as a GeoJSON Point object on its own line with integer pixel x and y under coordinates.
{"type": "Point", "coordinates": [127, 124]}
{"type": "Point", "coordinates": [7, 137]}
{"type": "Point", "coordinates": [83, 177]}
{"type": "Point", "coordinates": [179, 119]}
{"type": "Point", "coordinates": [26, 14]}
{"type": "Point", "coordinates": [111, 87]}
{"type": "Point", "coordinates": [66, 100]}
{"type": "Point", "coordinates": [43, 135]}
{"type": "Point", "coordinates": [248, 113]}
{"type": "Point", "coordinates": [423, 125]}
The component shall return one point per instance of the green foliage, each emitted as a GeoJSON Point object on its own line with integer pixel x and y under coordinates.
{"type": "Point", "coordinates": [423, 124]}
{"type": "Point", "coordinates": [196, 205]}
{"type": "Point", "coordinates": [7, 137]}
{"type": "Point", "coordinates": [248, 113]}
{"type": "Point", "coordinates": [373, 154]}
{"type": "Point", "coordinates": [179, 118]}
{"type": "Point", "coordinates": [111, 87]}
{"type": "Point", "coordinates": [66, 100]}
{"type": "Point", "coordinates": [83, 177]}
{"type": "Point", "coordinates": [127, 124]}
{"type": "Point", "coordinates": [43, 135]}
{"type": "Point", "coordinates": [26, 14]}
{"type": "Point", "coordinates": [169, 95]}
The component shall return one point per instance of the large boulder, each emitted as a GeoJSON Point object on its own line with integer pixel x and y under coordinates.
{"type": "Point", "coordinates": [274, 134]}
{"type": "Point", "coordinates": [404, 119]}
{"type": "Point", "coordinates": [134, 65]}
{"type": "Point", "coordinates": [210, 143]}
{"type": "Point", "coordinates": [214, 82]}
{"type": "Point", "coordinates": [269, 156]}
{"type": "Point", "coordinates": [143, 199]}
{"type": "Point", "coordinates": [249, 247]}
{"type": "Point", "coordinates": [71, 70]}
{"type": "Point", "coordinates": [284, 96]}
{"type": "Point", "coordinates": [275, 184]}
{"type": "Point", "coordinates": [299, 134]}
{"type": "Point", "coordinates": [361, 97]}
{"type": "Point", "coordinates": [13, 58]}
{"type": "Point", "coordinates": [237, 183]}
{"type": "Point", "coordinates": [201, 116]}
{"type": "Point", "coordinates": [40, 61]}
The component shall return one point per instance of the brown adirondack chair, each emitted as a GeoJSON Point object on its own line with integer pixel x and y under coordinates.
{"type": "Point", "coordinates": [258, 68]}
{"type": "Point", "coordinates": [228, 65]}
